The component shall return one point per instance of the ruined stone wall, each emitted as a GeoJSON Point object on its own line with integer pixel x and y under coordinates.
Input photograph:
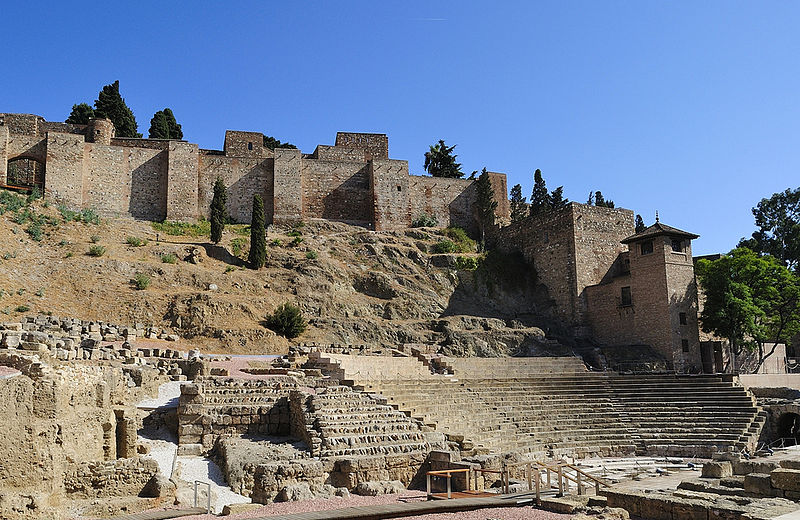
{"type": "Point", "coordinates": [215, 407]}
{"type": "Point", "coordinates": [4, 137]}
{"type": "Point", "coordinates": [244, 177]}
{"type": "Point", "coordinates": [99, 479]}
{"type": "Point", "coordinates": [336, 190]}
{"type": "Point", "coordinates": [22, 124]}
{"type": "Point", "coordinates": [389, 182]}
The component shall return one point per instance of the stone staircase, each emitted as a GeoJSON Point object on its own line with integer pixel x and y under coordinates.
{"type": "Point", "coordinates": [686, 415]}
{"type": "Point", "coordinates": [341, 423]}
{"type": "Point", "coordinates": [554, 406]}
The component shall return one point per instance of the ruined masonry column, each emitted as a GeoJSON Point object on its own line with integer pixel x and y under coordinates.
{"type": "Point", "coordinates": [3, 154]}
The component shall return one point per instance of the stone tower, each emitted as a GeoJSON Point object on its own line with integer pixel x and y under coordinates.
{"type": "Point", "coordinates": [100, 131]}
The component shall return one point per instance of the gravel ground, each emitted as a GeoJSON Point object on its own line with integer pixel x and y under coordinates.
{"type": "Point", "coordinates": [8, 372]}
{"type": "Point", "coordinates": [504, 513]}
{"type": "Point", "coordinates": [237, 363]}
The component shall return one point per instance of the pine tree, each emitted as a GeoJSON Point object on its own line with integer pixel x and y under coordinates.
{"type": "Point", "coordinates": [540, 197]}
{"type": "Point", "coordinates": [218, 210]}
{"type": "Point", "coordinates": [272, 143]}
{"type": "Point", "coordinates": [518, 208]}
{"type": "Point", "coordinates": [639, 224]}
{"type": "Point", "coordinates": [557, 199]}
{"type": "Point", "coordinates": [80, 115]}
{"type": "Point", "coordinates": [109, 104]}
{"type": "Point", "coordinates": [600, 201]}
{"type": "Point", "coordinates": [258, 237]}
{"type": "Point", "coordinates": [440, 161]}
{"type": "Point", "coordinates": [485, 205]}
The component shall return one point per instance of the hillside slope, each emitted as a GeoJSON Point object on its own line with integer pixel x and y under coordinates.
{"type": "Point", "coordinates": [354, 286]}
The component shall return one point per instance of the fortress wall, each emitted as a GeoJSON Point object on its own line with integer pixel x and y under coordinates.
{"type": "Point", "coordinates": [62, 128]}
{"type": "Point", "coordinates": [243, 177]}
{"type": "Point", "coordinates": [288, 188]}
{"type": "Point", "coordinates": [65, 168]}
{"type": "Point", "coordinates": [22, 124]}
{"type": "Point", "coordinates": [449, 201]}
{"type": "Point", "coordinates": [27, 146]}
{"type": "Point", "coordinates": [245, 144]}
{"type": "Point", "coordinates": [336, 190]}
{"type": "Point", "coordinates": [374, 146]}
{"type": "Point", "coordinates": [4, 137]}
{"type": "Point", "coordinates": [339, 153]}
{"type": "Point", "coordinates": [546, 241]}
{"type": "Point", "coordinates": [182, 180]}
{"type": "Point", "coordinates": [133, 142]}
{"type": "Point", "coordinates": [389, 184]}
{"type": "Point", "coordinates": [124, 181]}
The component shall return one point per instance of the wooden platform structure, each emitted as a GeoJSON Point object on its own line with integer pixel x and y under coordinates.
{"type": "Point", "coordinates": [163, 514]}
{"type": "Point", "coordinates": [400, 510]}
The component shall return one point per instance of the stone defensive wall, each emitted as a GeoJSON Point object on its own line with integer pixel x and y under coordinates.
{"type": "Point", "coordinates": [353, 181]}
{"type": "Point", "coordinates": [571, 249]}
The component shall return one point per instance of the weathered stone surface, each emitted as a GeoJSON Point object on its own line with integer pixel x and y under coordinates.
{"type": "Point", "coordinates": [371, 489]}
{"type": "Point", "coordinates": [786, 479]}
{"type": "Point", "coordinates": [717, 469]}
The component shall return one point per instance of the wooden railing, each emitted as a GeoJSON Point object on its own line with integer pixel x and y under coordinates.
{"type": "Point", "coordinates": [536, 473]}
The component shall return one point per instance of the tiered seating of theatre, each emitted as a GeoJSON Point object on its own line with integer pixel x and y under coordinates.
{"type": "Point", "coordinates": [555, 406]}
{"type": "Point", "coordinates": [686, 415]}
{"type": "Point", "coordinates": [345, 423]}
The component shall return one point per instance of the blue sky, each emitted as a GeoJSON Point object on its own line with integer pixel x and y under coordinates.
{"type": "Point", "coordinates": [688, 108]}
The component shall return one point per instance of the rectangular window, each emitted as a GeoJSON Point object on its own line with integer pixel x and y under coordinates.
{"type": "Point", "coordinates": [677, 245]}
{"type": "Point", "coordinates": [682, 318]}
{"type": "Point", "coordinates": [249, 146]}
{"type": "Point", "coordinates": [685, 345]}
{"type": "Point", "coordinates": [625, 297]}
{"type": "Point", "coordinates": [646, 247]}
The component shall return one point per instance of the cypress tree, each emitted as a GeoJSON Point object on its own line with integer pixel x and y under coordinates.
{"type": "Point", "coordinates": [639, 224]}
{"type": "Point", "coordinates": [159, 128]}
{"type": "Point", "coordinates": [258, 238]}
{"type": "Point", "coordinates": [218, 210]}
{"type": "Point", "coordinates": [485, 205]}
{"type": "Point", "coordinates": [518, 209]}
{"type": "Point", "coordinates": [109, 104]}
{"type": "Point", "coordinates": [540, 198]}
{"type": "Point", "coordinates": [175, 131]}
{"type": "Point", "coordinates": [557, 199]}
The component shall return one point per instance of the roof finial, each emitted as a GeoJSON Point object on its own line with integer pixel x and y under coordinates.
{"type": "Point", "coordinates": [656, 216]}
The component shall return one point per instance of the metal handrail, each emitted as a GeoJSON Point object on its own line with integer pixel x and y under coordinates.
{"type": "Point", "coordinates": [208, 502]}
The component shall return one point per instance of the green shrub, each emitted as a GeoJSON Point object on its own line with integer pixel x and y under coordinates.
{"type": "Point", "coordinates": [467, 263]}
{"type": "Point", "coordinates": [34, 229]}
{"type": "Point", "coordinates": [97, 250]}
{"type": "Point", "coordinates": [20, 291]}
{"type": "Point", "coordinates": [9, 256]}
{"type": "Point", "coordinates": [464, 244]}
{"type": "Point", "coordinates": [311, 255]}
{"type": "Point", "coordinates": [296, 241]}
{"type": "Point", "coordinates": [170, 258]}
{"type": "Point", "coordinates": [89, 216]}
{"type": "Point", "coordinates": [63, 242]}
{"type": "Point", "coordinates": [277, 242]}
{"type": "Point", "coordinates": [136, 241]}
{"type": "Point", "coordinates": [194, 229]}
{"type": "Point", "coordinates": [141, 281]}
{"type": "Point", "coordinates": [287, 321]}
{"type": "Point", "coordinates": [425, 220]}
{"type": "Point", "coordinates": [242, 229]}
{"type": "Point", "coordinates": [444, 246]}
{"type": "Point", "coordinates": [294, 233]}
{"type": "Point", "coordinates": [22, 308]}
{"type": "Point", "coordinates": [40, 293]}
{"type": "Point", "coordinates": [94, 239]}
{"type": "Point", "coordinates": [10, 201]}
{"type": "Point", "coordinates": [229, 269]}
{"type": "Point", "coordinates": [68, 255]}
{"type": "Point", "coordinates": [238, 245]}
{"type": "Point", "coordinates": [35, 194]}
{"type": "Point", "coordinates": [22, 216]}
